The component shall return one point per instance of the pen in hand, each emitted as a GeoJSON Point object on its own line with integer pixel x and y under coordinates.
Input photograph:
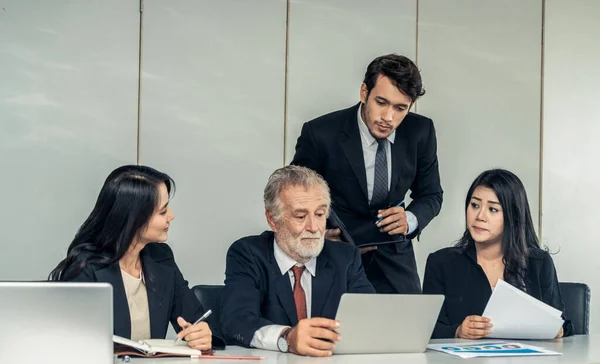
{"type": "Point", "coordinates": [202, 318]}
{"type": "Point", "coordinates": [399, 204]}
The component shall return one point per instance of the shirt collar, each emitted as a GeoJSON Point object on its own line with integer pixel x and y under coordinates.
{"type": "Point", "coordinates": [286, 263]}
{"type": "Point", "coordinates": [364, 130]}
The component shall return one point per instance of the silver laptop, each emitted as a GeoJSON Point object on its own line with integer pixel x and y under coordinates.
{"type": "Point", "coordinates": [44, 322]}
{"type": "Point", "coordinates": [386, 323]}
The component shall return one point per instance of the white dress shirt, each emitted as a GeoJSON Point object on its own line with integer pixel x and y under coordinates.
{"type": "Point", "coordinates": [369, 146]}
{"type": "Point", "coordinates": [266, 337]}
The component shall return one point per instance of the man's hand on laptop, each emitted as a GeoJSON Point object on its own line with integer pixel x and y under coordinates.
{"type": "Point", "coordinates": [314, 337]}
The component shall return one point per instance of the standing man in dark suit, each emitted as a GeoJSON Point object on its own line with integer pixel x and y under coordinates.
{"type": "Point", "coordinates": [283, 287]}
{"type": "Point", "coordinates": [371, 154]}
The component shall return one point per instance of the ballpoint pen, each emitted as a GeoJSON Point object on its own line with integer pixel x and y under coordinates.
{"type": "Point", "coordinates": [203, 317]}
{"type": "Point", "coordinates": [399, 204]}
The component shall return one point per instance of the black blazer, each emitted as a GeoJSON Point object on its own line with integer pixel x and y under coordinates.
{"type": "Point", "coordinates": [331, 145]}
{"type": "Point", "coordinates": [456, 274]}
{"type": "Point", "coordinates": [256, 294]}
{"type": "Point", "coordinates": [169, 295]}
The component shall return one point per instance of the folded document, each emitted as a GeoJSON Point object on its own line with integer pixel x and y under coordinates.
{"type": "Point", "coordinates": [517, 315]}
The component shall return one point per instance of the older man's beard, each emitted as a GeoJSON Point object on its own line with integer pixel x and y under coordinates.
{"type": "Point", "coordinates": [305, 250]}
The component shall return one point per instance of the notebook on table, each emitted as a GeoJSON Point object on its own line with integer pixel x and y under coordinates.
{"type": "Point", "coordinates": [152, 348]}
{"type": "Point", "coordinates": [159, 348]}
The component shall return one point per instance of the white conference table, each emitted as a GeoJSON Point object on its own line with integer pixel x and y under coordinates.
{"type": "Point", "coordinates": [575, 349]}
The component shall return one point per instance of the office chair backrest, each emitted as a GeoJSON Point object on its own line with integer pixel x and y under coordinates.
{"type": "Point", "coordinates": [576, 297]}
{"type": "Point", "coordinates": [210, 298]}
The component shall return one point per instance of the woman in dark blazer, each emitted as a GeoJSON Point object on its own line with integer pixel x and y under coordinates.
{"type": "Point", "coordinates": [499, 243]}
{"type": "Point", "coordinates": [122, 243]}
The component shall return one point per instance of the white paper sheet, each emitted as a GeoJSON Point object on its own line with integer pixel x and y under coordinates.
{"type": "Point", "coordinates": [517, 315]}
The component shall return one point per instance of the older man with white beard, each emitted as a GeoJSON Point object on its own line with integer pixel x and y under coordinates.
{"type": "Point", "coordinates": [283, 287]}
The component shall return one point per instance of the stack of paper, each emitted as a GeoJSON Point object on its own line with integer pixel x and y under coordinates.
{"type": "Point", "coordinates": [517, 315]}
{"type": "Point", "coordinates": [490, 349]}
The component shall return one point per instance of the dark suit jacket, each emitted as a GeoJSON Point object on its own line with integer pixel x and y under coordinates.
{"type": "Point", "coordinates": [169, 295]}
{"type": "Point", "coordinates": [331, 145]}
{"type": "Point", "coordinates": [256, 294]}
{"type": "Point", "coordinates": [456, 274]}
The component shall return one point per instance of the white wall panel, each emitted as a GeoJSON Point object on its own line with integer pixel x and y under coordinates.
{"type": "Point", "coordinates": [68, 106]}
{"type": "Point", "coordinates": [212, 117]}
{"type": "Point", "coordinates": [331, 42]}
{"type": "Point", "coordinates": [571, 149]}
{"type": "Point", "coordinates": [481, 67]}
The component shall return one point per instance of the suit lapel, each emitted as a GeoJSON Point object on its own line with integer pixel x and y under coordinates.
{"type": "Point", "coordinates": [352, 146]}
{"type": "Point", "coordinates": [156, 284]}
{"type": "Point", "coordinates": [286, 297]}
{"type": "Point", "coordinates": [122, 318]}
{"type": "Point", "coordinates": [471, 252]}
{"type": "Point", "coordinates": [398, 159]}
{"type": "Point", "coordinates": [322, 287]}
{"type": "Point", "coordinates": [282, 284]}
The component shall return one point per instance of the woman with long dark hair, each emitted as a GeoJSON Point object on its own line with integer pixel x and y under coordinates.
{"type": "Point", "coordinates": [122, 243]}
{"type": "Point", "coordinates": [498, 243]}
